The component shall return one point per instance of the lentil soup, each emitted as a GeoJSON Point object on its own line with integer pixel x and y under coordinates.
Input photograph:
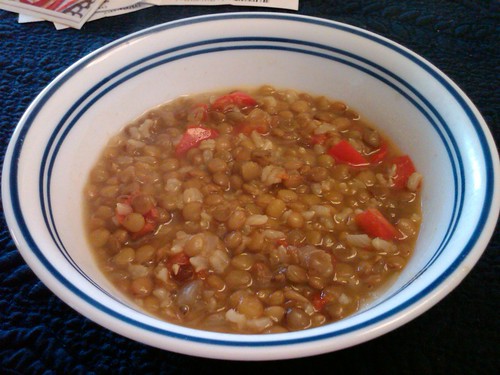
{"type": "Point", "coordinates": [262, 211]}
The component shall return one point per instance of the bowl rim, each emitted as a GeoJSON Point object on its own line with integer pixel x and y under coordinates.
{"type": "Point", "coordinates": [435, 292]}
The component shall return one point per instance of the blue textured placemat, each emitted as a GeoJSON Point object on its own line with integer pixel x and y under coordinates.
{"type": "Point", "coordinates": [41, 335]}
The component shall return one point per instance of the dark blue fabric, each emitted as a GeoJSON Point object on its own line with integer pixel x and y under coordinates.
{"type": "Point", "coordinates": [39, 334]}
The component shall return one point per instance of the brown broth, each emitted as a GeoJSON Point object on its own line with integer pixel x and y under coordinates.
{"type": "Point", "coordinates": [252, 213]}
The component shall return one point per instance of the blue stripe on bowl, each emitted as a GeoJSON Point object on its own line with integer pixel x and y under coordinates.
{"type": "Point", "coordinates": [51, 154]}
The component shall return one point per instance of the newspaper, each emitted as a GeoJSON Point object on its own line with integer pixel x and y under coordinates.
{"type": "Point", "coordinates": [61, 13]}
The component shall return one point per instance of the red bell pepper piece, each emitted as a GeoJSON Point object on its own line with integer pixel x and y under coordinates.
{"type": "Point", "coordinates": [147, 228]}
{"type": "Point", "coordinates": [404, 169]}
{"type": "Point", "coordinates": [179, 267]}
{"type": "Point", "coordinates": [192, 137]}
{"type": "Point", "coordinates": [319, 300]}
{"type": "Point", "coordinates": [150, 217]}
{"type": "Point", "coordinates": [373, 223]}
{"type": "Point", "coordinates": [180, 258]}
{"type": "Point", "coordinates": [151, 223]}
{"type": "Point", "coordinates": [237, 98]}
{"type": "Point", "coordinates": [379, 155]}
{"type": "Point", "coordinates": [344, 153]}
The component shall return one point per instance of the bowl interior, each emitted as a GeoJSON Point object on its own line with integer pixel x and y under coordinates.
{"type": "Point", "coordinates": [403, 122]}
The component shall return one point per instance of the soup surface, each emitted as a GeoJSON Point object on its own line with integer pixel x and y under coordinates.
{"type": "Point", "coordinates": [262, 211]}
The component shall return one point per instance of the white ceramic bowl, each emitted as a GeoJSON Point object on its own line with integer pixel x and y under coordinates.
{"type": "Point", "coordinates": [61, 134]}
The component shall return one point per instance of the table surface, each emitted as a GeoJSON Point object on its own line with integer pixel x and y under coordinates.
{"type": "Point", "coordinates": [460, 335]}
